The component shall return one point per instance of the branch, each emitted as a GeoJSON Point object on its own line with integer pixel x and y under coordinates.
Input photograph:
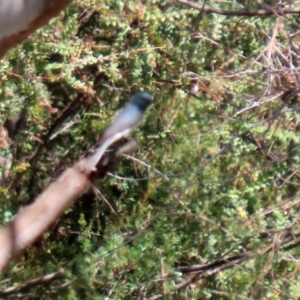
{"type": "Point", "coordinates": [214, 266]}
{"type": "Point", "coordinates": [20, 18]}
{"type": "Point", "coordinates": [32, 221]}
{"type": "Point", "coordinates": [32, 283]}
{"type": "Point", "coordinates": [279, 10]}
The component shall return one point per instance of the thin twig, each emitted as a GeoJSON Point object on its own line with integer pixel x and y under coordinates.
{"type": "Point", "coordinates": [262, 12]}
{"type": "Point", "coordinates": [99, 194]}
{"type": "Point", "coordinates": [146, 165]}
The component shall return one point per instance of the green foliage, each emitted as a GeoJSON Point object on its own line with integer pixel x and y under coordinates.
{"type": "Point", "coordinates": [222, 188]}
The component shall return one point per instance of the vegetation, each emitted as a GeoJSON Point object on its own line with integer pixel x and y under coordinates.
{"type": "Point", "coordinates": [207, 207]}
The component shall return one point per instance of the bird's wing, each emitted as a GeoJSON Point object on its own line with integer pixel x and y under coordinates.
{"type": "Point", "coordinates": [127, 119]}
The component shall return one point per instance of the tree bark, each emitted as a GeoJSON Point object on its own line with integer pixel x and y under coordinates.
{"type": "Point", "coordinates": [20, 18]}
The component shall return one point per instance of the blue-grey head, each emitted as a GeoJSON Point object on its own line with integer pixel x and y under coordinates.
{"type": "Point", "coordinates": [142, 100]}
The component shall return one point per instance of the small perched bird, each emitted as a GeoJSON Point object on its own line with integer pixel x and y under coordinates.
{"type": "Point", "coordinates": [125, 122]}
{"type": "Point", "coordinates": [130, 116]}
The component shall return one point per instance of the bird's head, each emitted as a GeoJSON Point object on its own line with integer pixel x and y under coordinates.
{"type": "Point", "coordinates": [142, 100]}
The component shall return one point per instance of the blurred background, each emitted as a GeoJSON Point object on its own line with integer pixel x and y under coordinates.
{"type": "Point", "coordinates": [207, 207]}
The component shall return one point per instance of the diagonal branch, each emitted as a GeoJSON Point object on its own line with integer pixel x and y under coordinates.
{"type": "Point", "coordinates": [32, 283]}
{"type": "Point", "coordinates": [32, 221]}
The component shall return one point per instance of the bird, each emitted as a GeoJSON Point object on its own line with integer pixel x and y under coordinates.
{"type": "Point", "coordinates": [129, 117]}
{"type": "Point", "coordinates": [123, 124]}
